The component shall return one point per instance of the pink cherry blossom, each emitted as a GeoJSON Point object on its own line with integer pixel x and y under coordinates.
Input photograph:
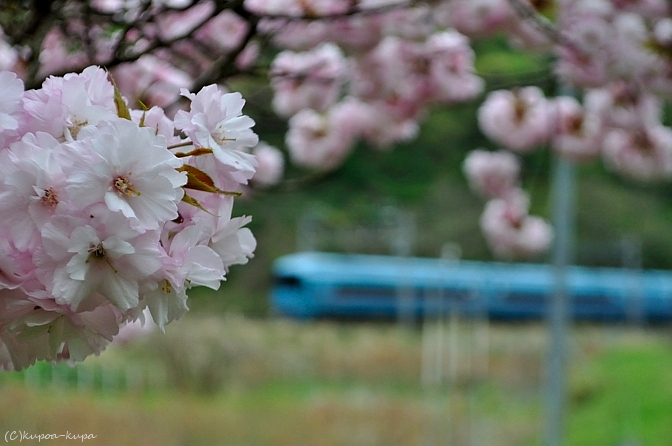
{"type": "Point", "coordinates": [9, 56]}
{"type": "Point", "coordinates": [451, 71]}
{"type": "Point", "coordinates": [152, 81]}
{"type": "Point", "coordinates": [271, 165]}
{"type": "Point", "coordinates": [134, 330]}
{"type": "Point", "coordinates": [85, 259]}
{"type": "Point", "coordinates": [585, 59]}
{"type": "Point", "coordinates": [55, 55]}
{"type": "Point", "coordinates": [317, 8]}
{"type": "Point", "coordinates": [644, 154]}
{"type": "Point", "coordinates": [631, 38]}
{"type": "Point", "coordinates": [662, 32]}
{"type": "Point", "coordinates": [215, 121]}
{"type": "Point", "coordinates": [129, 169]}
{"type": "Point", "coordinates": [37, 328]}
{"type": "Point", "coordinates": [275, 7]}
{"type": "Point", "coordinates": [647, 8]}
{"type": "Point", "coordinates": [224, 234]}
{"type": "Point", "coordinates": [357, 33]}
{"type": "Point", "coordinates": [475, 17]}
{"type": "Point", "coordinates": [294, 34]}
{"type": "Point", "coordinates": [196, 263]}
{"type": "Point", "coordinates": [248, 56]}
{"type": "Point", "coordinates": [155, 118]}
{"type": "Point", "coordinates": [174, 24]}
{"type": "Point", "coordinates": [63, 106]}
{"type": "Point", "coordinates": [224, 31]}
{"type": "Point", "coordinates": [492, 174]}
{"type": "Point", "coordinates": [187, 262]}
{"type": "Point", "coordinates": [580, 68]}
{"type": "Point", "coordinates": [307, 80]}
{"type": "Point", "coordinates": [386, 123]}
{"type": "Point", "coordinates": [321, 141]}
{"type": "Point", "coordinates": [518, 119]}
{"type": "Point", "coordinates": [10, 107]}
{"type": "Point", "coordinates": [33, 187]}
{"type": "Point", "coordinates": [16, 266]}
{"type": "Point", "coordinates": [395, 69]}
{"type": "Point", "coordinates": [412, 23]}
{"type": "Point", "coordinates": [578, 135]}
{"type": "Point", "coordinates": [623, 104]}
{"type": "Point", "coordinates": [510, 232]}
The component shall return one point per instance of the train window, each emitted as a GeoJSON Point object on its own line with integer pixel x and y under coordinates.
{"type": "Point", "coordinates": [448, 294]}
{"type": "Point", "coordinates": [461, 295]}
{"type": "Point", "coordinates": [526, 298]}
{"type": "Point", "coordinates": [288, 281]}
{"type": "Point", "coordinates": [371, 292]}
{"type": "Point", "coordinates": [592, 299]}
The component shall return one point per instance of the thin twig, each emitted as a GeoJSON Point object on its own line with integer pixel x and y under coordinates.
{"type": "Point", "coordinates": [527, 12]}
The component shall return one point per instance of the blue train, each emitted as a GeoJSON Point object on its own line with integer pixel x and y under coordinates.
{"type": "Point", "coordinates": [319, 284]}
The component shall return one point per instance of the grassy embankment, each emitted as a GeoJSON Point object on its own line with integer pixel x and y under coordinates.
{"type": "Point", "coordinates": [237, 381]}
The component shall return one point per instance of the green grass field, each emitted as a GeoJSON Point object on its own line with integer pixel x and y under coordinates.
{"type": "Point", "coordinates": [237, 381]}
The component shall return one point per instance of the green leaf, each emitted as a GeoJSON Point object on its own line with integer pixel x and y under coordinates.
{"type": "Point", "coordinates": [193, 202]}
{"type": "Point", "coordinates": [122, 108]}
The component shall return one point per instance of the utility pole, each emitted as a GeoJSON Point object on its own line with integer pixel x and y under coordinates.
{"type": "Point", "coordinates": [564, 216]}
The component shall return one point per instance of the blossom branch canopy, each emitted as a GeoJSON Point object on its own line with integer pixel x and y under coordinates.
{"type": "Point", "coordinates": [99, 179]}
{"type": "Point", "coordinates": [105, 218]}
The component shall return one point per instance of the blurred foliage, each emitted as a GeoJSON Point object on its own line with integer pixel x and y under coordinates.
{"type": "Point", "coordinates": [424, 177]}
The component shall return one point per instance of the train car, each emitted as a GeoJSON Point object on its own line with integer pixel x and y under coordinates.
{"type": "Point", "coordinates": [320, 284]}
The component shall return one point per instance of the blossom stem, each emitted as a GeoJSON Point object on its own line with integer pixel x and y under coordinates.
{"type": "Point", "coordinates": [182, 144]}
{"type": "Point", "coordinates": [196, 152]}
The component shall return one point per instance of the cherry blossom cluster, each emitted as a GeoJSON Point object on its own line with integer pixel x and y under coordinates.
{"type": "Point", "coordinates": [619, 123]}
{"type": "Point", "coordinates": [369, 77]}
{"type": "Point", "coordinates": [393, 63]}
{"type": "Point", "coordinates": [360, 69]}
{"type": "Point", "coordinates": [616, 55]}
{"type": "Point", "coordinates": [509, 230]}
{"type": "Point", "coordinates": [486, 18]}
{"type": "Point", "coordinates": [604, 41]}
{"type": "Point", "coordinates": [108, 211]}
{"type": "Point", "coordinates": [344, 71]}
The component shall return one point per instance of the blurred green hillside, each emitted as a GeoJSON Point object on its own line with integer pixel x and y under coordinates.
{"type": "Point", "coordinates": [424, 178]}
